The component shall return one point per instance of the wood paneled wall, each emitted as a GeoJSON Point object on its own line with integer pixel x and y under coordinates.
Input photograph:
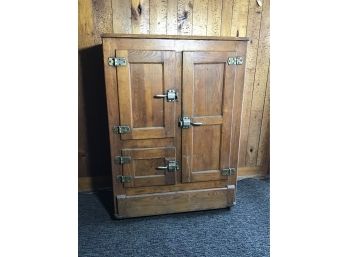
{"type": "Point", "coordinates": [172, 17]}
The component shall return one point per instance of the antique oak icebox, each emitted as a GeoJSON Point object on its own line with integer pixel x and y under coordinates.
{"type": "Point", "coordinates": [174, 111]}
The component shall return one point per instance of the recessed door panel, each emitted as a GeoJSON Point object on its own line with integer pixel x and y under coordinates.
{"type": "Point", "coordinates": [208, 90]}
{"type": "Point", "coordinates": [144, 166]}
{"type": "Point", "coordinates": [146, 74]}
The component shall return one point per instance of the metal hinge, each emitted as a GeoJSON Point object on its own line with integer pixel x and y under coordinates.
{"type": "Point", "coordinates": [117, 61]}
{"type": "Point", "coordinates": [228, 171]}
{"type": "Point", "coordinates": [237, 60]}
{"type": "Point", "coordinates": [124, 179]}
{"type": "Point", "coordinates": [121, 129]}
{"type": "Point", "coordinates": [123, 159]}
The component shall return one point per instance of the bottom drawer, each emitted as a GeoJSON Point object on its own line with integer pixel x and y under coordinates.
{"type": "Point", "coordinates": [173, 202]}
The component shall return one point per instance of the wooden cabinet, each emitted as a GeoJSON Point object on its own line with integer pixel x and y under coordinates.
{"type": "Point", "coordinates": [174, 109]}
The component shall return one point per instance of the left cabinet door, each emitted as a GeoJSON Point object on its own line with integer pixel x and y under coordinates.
{"type": "Point", "coordinates": [146, 74]}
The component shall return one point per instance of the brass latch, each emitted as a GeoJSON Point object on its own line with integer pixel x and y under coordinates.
{"type": "Point", "coordinates": [185, 122]}
{"type": "Point", "coordinates": [117, 61]}
{"type": "Point", "coordinates": [121, 129]}
{"type": "Point", "coordinates": [172, 166]}
{"type": "Point", "coordinates": [237, 60]}
{"type": "Point", "coordinates": [123, 159]}
{"type": "Point", "coordinates": [228, 171]}
{"type": "Point", "coordinates": [171, 95]}
{"type": "Point", "coordinates": [124, 179]}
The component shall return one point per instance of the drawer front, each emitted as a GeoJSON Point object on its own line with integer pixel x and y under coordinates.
{"type": "Point", "coordinates": [147, 166]}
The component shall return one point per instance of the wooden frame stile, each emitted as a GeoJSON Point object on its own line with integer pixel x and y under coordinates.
{"type": "Point", "coordinates": [113, 111]}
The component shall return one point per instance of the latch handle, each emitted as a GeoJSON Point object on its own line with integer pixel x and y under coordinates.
{"type": "Point", "coordinates": [162, 168]}
{"type": "Point", "coordinates": [196, 123]}
{"type": "Point", "coordinates": [172, 166]}
{"type": "Point", "coordinates": [160, 96]}
{"type": "Point", "coordinates": [171, 95]}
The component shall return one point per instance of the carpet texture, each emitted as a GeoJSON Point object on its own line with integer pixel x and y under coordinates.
{"type": "Point", "coordinates": [242, 231]}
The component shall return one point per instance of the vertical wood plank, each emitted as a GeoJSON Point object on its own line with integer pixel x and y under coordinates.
{"type": "Point", "coordinates": [158, 17]}
{"type": "Point", "coordinates": [121, 13]}
{"type": "Point", "coordinates": [200, 17]}
{"type": "Point", "coordinates": [140, 16]}
{"type": "Point", "coordinates": [240, 18]}
{"type": "Point", "coordinates": [263, 152]}
{"type": "Point", "coordinates": [226, 17]}
{"type": "Point", "coordinates": [259, 88]}
{"type": "Point", "coordinates": [172, 17]}
{"type": "Point", "coordinates": [214, 17]}
{"type": "Point", "coordinates": [86, 24]}
{"type": "Point", "coordinates": [185, 17]}
{"type": "Point", "coordinates": [102, 19]}
{"type": "Point", "coordinates": [253, 30]}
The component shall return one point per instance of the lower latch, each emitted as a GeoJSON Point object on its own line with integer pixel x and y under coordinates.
{"type": "Point", "coordinates": [172, 166]}
{"type": "Point", "coordinates": [124, 179]}
{"type": "Point", "coordinates": [228, 171]}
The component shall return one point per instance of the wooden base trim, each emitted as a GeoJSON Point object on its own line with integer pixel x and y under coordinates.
{"type": "Point", "coordinates": [95, 183]}
{"type": "Point", "coordinates": [181, 201]}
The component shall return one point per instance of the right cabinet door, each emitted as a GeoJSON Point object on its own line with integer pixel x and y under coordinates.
{"type": "Point", "coordinates": [212, 99]}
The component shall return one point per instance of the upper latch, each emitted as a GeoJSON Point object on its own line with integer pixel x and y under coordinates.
{"type": "Point", "coordinates": [237, 60]}
{"type": "Point", "coordinates": [117, 61]}
{"type": "Point", "coordinates": [170, 96]}
{"type": "Point", "coordinates": [185, 122]}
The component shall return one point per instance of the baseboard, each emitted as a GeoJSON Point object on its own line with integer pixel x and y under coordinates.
{"type": "Point", "coordinates": [96, 183]}
{"type": "Point", "coordinates": [251, 172]}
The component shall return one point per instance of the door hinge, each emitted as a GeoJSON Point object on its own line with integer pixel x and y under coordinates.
{"type": "Point", "coordinates": [124, 179]}
{"type": "Point", "coordinates": [228, 171]}
{"type": "Point", "coordinates": [237, 60]}
{"type": "Point", "coordinates": [172, 166]}
{"type": "Point", "coordinates": [121, 129]}
{"type": "Point", "coordinates": [117, 61]}
{"type": "Point", "coordinates": [123, 159]}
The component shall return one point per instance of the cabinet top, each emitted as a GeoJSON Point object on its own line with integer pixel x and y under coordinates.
{"type": "Point", "coordinates": [182, 37]}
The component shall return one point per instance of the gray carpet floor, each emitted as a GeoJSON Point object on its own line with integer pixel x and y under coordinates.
{"type": "Point", "coordinates": [242, 231]}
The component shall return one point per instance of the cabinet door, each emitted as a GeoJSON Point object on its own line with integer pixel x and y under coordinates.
{"type": "Point", "coordinates": [147, 73]}
{"type": "Point", "coordinates": [209, 91]}
{"type": "Point", "coordinates": [144, 164]}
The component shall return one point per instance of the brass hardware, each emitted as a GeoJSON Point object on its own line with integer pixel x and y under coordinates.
{"type": "Point", "coordinates": [238, 60]}
{"type": "Point", "coordinates": [121, 129]}
{"type": "Point", "coordinates": [117, 61]}
{"type": "Point", "coordinates": [228, 171]}
{"type": "Point", "coordinates": [123, 159]}
{"type": "Point", "coordinates": [196, 123]}
{"type": "Point", "coordinates": [172, 166]}
{"type": "Point", "coordinates": [171, 95]}
{"type": "Point", "coordinates": [185, 122]}
{"type": "Point", "coordinates": [124, 179]}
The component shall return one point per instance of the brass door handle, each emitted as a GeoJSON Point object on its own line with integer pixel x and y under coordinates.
{"type": "Point", "coordinates": [162, 168]}
{"type": "Point", "coordinates": [171, 95]}
{"type": "Point", "coordinates": [171, 167]}
{"type": "Point", "coordinates": [196, 123]}
{"type": "Point", "coordinates": [160, 96]}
